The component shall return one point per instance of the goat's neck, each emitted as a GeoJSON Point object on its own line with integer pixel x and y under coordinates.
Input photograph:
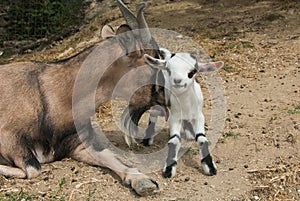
{"type": "Point", "coordinates": [192, 96]}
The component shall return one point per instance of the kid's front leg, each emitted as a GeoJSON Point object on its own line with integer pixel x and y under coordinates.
{"type": "Point", "coordinates": [173, 149]}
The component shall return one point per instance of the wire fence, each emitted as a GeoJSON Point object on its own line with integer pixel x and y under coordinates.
{"type": "Point", "coordinates": [32, 20]}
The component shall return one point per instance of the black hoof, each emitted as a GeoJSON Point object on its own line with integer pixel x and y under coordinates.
{"type": "Point", "coordinates": [170, 170]}
{"type": "Point", "coordinates": [209, 166]}
{"type": "Point", "coordinates": [146, 142]}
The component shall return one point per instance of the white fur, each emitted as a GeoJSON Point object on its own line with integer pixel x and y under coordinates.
{"type": "Point", "coordinates": [184, 94]}
{"type": "Point", "coordinates": [185, 97]}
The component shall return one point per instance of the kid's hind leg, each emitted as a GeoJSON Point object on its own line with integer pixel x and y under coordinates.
{"type": "Point", "coordinates": [155, 112]}
{"type": "Point", "coordinates": [150, 131]}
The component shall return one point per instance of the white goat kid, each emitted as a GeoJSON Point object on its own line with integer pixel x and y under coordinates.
{"type": "Point", "coordinates": [184, 95]}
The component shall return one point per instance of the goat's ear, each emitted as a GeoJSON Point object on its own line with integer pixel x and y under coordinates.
{"type": "Point", "coordinates": [165, 53]}
{"type": "Point", "coordinates": [211, 66]}
{"type": "Point", "coordinates": [155, 63]}
{"type": "Point", "coordinates": [107, 32]}
{"type": "Point", "coordinates": [126, 38]}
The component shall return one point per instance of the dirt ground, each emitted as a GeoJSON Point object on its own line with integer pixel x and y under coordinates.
{"type": "Point", "coordinates": [258, 154]}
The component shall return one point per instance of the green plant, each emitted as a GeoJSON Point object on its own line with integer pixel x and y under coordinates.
{"type": "Point", "coordinates": [296, 110]}
{"type": "Point", "coordinates": [90, 193]}
{"type": "Point", "coordinates": [56, 194]}
{"type": "Point", "coordinates": [232, 134]}
{"type": "Point", "coordinates": [228, 68]}
{"type": "Point", "coordinates": [17, 196]}
{"type": "Point", "coordinates": [34, 19]}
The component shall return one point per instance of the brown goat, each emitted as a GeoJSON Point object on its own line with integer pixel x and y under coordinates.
{"type": "Point", "coordinates": [36, 119]}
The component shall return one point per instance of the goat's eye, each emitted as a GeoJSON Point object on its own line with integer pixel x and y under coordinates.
{"type": "Point", "coordinates": [192, 73]}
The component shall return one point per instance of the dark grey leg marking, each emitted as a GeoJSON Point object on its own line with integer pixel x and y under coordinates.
{"type": "Point", "coordinates": [150, 131]}
{"type": "Point", "coordinates": [171, 162]}
{"type": "Point", "coordinates": [188, 129]}
{"type": "Point", "coordinates": [208, 165]}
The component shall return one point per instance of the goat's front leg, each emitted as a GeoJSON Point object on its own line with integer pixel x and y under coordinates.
{"type": "Point", "coordinates": [208, 165]}
{"type": "Point", "coordinates": [93, 150]}
{"type": "Point", "coordinates": [173, 148]}
{"type": "Point", "coordinates": [141, 183]}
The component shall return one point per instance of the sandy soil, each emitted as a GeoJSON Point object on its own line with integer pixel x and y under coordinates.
{"type": "Point", "coordinates": [258, 153]}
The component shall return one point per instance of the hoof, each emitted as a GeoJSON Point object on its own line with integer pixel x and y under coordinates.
{"type": "Point", "coordinates": [208, 165]}
{"type": "Point", "coordinates": [170, 170]}
{"type": "Point", "coordinates": [147, 142]}
{"type": "Point", "coordinates": [145, 187]}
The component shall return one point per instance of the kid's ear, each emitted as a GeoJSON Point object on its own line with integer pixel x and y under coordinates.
{"type": "Point", "coordinates": [165, 53]}
{"type": "Point", "coordinates": [155, 63]}
{"type": "Point", "coordinates": [211, 66]}
{"type": "Point", "coordinates": [107, 32]}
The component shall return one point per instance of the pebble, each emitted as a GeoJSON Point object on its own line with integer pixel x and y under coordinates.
{"type": "Point", "coordinates": [272, 41]}
{"type": "Point", "coordinates": [78, 185]}
{"type": "Point", "coordinates": [42, 193]}
{"type": "Point", "coordinates": [187, 179]}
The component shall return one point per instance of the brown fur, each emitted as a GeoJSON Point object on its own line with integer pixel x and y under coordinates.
{"type": "Point", "coordinates": [36, 121]}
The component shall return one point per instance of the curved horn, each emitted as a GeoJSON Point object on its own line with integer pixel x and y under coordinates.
{"type": "Point", "coordinates": [128, 15]}
{"type": "Point", "coordinates": [143, 26]}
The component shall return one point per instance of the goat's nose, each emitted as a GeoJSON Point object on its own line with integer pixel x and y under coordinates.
{"type": "Point", "coordinates": [177, 81]}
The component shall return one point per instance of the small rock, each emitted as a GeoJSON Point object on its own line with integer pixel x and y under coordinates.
{"type": "Point", "coordinates": [78, 185]}
{"type": "Point", "coordinates": [42, 193]}
{"type": "Point", "coordinates": [246, 166]}
{"type": "Point", "coordinates": [272, 41]}
{"type": "Point", "coordinates": [187, 179]}
{"type": "Point", "coordinates": [230, 169]}
{"type": "Point", "coordinates": [206, 183]}
{"type": "Point", "coordinates": [296, 127]}
{"type": "Point", "coordinates": [234, 127]}
{"type": "Point", "coordinates": [256, 197]}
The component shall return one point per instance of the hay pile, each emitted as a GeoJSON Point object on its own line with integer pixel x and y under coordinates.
{"type": "Point", "coordinates": [280, 181]}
